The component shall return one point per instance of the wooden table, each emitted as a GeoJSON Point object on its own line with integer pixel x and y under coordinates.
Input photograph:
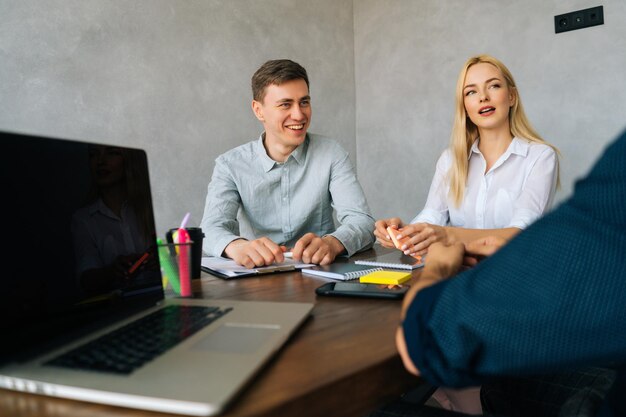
{"type": "Point", "coordinates": [342, 362]}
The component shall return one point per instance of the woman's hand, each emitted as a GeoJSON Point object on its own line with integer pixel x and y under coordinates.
{"type": "Point", "coordinates": [381, 230]}
{"type": "Point", "coordinates": [421, 236]}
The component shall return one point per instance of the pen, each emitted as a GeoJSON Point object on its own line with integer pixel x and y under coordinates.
{"type": "Point", "coordinates": [138, 263]}
{"type": "Point", "coordinates": [271, 269]}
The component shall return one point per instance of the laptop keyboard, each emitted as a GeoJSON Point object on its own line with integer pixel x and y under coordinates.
{"type": "Point", "coordinates": [128, 348]}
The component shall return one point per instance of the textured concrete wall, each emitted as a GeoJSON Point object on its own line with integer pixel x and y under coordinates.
{"type": "Point", "coordinates": [408, 54]}
{"type": "Point", "coordinates": [172, 76]}
{"type": "Point", "coordinates": [169, 76]}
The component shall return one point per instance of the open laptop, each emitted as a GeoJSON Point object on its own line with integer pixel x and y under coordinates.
{"type": "Point", "coordinates": [79, 322]}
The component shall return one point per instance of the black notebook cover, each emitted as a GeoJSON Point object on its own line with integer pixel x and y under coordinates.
{"type": "Point", "coordinates": [393, 260]}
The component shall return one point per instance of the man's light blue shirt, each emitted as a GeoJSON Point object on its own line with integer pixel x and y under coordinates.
{"type": "Point", "coordinates": [284, 201]}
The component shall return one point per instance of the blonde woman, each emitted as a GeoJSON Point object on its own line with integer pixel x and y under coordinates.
{"type": "Point", "coordinates": [498, 175]}
{"type": "Point", "coordinates": [496, 178]}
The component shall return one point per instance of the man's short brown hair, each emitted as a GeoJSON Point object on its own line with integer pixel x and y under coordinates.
{"type": "Point", "coordinates": [276, 72]}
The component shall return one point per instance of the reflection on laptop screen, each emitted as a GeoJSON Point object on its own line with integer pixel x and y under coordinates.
{"type": "Point", "coordinates": [78, 236]}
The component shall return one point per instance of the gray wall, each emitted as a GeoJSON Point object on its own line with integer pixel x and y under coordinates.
{"type": "Point", "coordinates": [172, 77]}
{"type": "Point", "coordinates": [407, 58]}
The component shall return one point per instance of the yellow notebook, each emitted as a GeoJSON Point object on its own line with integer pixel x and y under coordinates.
{"type": "Point", "coordinates": [386, 277]}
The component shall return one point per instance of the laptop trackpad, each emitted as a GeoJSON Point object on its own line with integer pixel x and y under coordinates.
{"type": "Point", "coordinates": [236, 338]}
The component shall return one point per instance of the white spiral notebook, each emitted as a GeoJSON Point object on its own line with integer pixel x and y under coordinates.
{"type": "Point", "coordinates": [393, 260]}
{"type": "Point", "coordinates": [340, 271]}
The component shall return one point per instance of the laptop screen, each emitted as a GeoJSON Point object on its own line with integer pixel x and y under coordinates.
{"type": "Point", "coordinates": [79, 239]}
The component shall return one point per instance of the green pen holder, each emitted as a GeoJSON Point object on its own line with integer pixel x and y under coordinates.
{"type": "Point", "coordinates": [175, 261]}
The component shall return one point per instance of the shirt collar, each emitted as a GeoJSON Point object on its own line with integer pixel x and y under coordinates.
{"type": "Point", "coordinates": [517, 146]}
{"type": "Point", "coordinates": [473, 149]}
{"type": "Point", "coordinates": [299, 154]}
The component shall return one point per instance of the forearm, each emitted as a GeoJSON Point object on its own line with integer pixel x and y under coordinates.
{"type": "Point", "coordinates": [356, 223]}
{"type": "Point", "coordinates": [465, 236]}
{"type": "Point", "coordinates": [335, 245]}
{"type": "Point", "coordinates": [231, 248]}
{"type": "Point", "coordinates": [428, 277]}
{"type": "Point", "coordinates": [431, 274]}
{"type": "Point", "coordinates": [355, 235]}
{"type": "Point", "coordinates": [219, 220]}
{"type": "Point", "coordinates": [218, 235]}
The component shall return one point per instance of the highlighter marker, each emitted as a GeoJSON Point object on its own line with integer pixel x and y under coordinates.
{"type": "Point", "coordinates": [183, 264]}
{"type": "Point", "coordinates": [393, 233]}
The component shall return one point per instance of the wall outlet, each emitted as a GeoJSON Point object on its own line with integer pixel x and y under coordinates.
{"type": "Point", "coordinates": [579, 19]}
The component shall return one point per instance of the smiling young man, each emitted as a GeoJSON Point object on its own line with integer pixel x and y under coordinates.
{"type": "Point", "coordinates": [286, 183]}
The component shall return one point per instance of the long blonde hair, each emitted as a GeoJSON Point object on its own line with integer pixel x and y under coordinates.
{"type": "Point", "coordinates": [465, 132]}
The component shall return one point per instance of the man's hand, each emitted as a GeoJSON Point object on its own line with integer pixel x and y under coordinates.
{"type": "Point", "coordinates": [443, 261]}
{"type": "Point", "coordinates": [381, 230]}
{"type": "Point", "coordinates": [446, 259]}
{"type": "Point", "coordinates": [312, 249]}
{"type": "Point", "coordinates": [479, 249]}
{"type": "Point", "coordinates": [258, 252]}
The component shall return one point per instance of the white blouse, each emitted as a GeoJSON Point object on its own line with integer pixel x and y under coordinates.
{"type": "Point", "coordinates": [516, 191]}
